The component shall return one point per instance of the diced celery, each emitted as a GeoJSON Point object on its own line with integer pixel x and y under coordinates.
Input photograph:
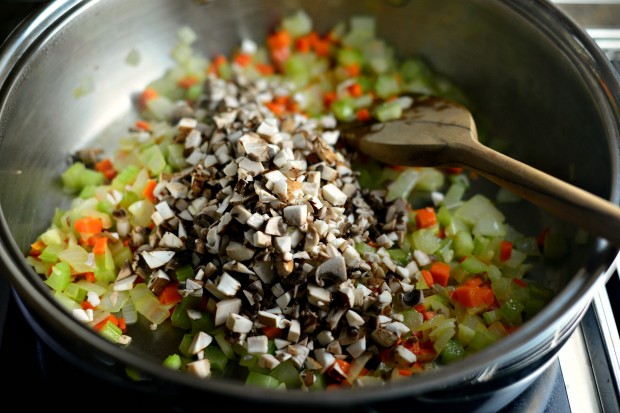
{"type": "Point", "coordinates": [442, 339]}
{"type": "Point", "coordinates": [343, 109]}
{"type": "Point", "coordinates": [287, 373]}
{"type": "Point", "coordinates": [173, 361]}
{"type": "Point", "coordinates": [179, 317]}
{"type": "Point", "coordinates": [113, 301]}
{"type": "Point", "coordinates": [425, 240]}
{"type": "Point", "coordinates": [412, 319]}
{"type": "Point", "coordinates": [74, 292]}
{"type": "Point", "coordinates": [452, 351]}
{"type": "Point", "coordinates": [463, 244]}
{"type": "Point", "coordinates": [511, 310]}
{"type": "Point", "coordinates": [204, 323]}
{"type": "Point", "coordinates": [473, 265]}
{"type": "Point", "coordinates": [71, 177]}
{"type": "Point", "coordinates": [261, 380]}
{"type": "Point", "coordinates": [125, 177]}
{"type": "Point", "coordinates": [491, 316]}
{"type": "Point", "coordinates": [185, 344]}
{"type": "Point", "coordinates": [481, 339]}
{"type": "Point", "coordinates": [297, 24]}
{"type": "Point", "coordinates": [479, 207]}
{"type": "Point", "coordinates": [60, 277]}
{"type": "Point", "coordinates": [153, 159]}
{"type": "Point", "coordinates": [399, 256]}
{"type": "Point", "coordinates": [216, 356]}
{"type": "Point", "coordinates": [349, 56]}
{"type": "Point", "coordinates": [50, 253]}
{"type": "Point", "coordinates": [111, 332]}
{"type": "Point", "coordinates": [431, 179]}
{"type": "Point", "coordinates": [224, 345]}
{"type": "Point", "coordinates": [389, 110]}
{"type": "Point", "coordinates": [444, 217]}
{"type": "Point", "coordinates": [174, 156]}
{"type": "Point", "coordinates": [141, 212]}
{"type": "Point", "coordinates": [184, 272]}
{"type": "Point", "coordinates": [148, 304]}
{"type": "Point", "coordinates": [465, 334]}
{"type": "Point", "coordinates": [94, 287]}
{"type": "Point", "coordinates": [52, 236]}
{"type": "Point", "coordinates": [387, 86]}
{"type": "Point", "coordinates": [403, 185]}
{"type": "Point", "coordinates": [67, 302]}
{"type": "Point", "coordinates": [454, 195]}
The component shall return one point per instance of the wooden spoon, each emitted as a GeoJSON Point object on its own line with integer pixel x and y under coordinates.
{"type": "Point", "coordinates": [442, 133]}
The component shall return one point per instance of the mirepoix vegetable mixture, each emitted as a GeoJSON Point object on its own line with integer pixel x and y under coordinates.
{"type": "Point", "coordinates": [232, 211]}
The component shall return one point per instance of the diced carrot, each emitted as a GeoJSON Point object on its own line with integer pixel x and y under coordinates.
{"type": "Point", "coordinates": [86, 305]}
{"type": "Point", "coordinates": [279, 56]}
{"type": "Point", "coordinates": [106, 167]}
{"type": "Point", "coordinates": [88, 225]}
{"type": "Point", "coordinates": [505, 250]}
{"type": "Point", "coordinates": [302, 44]}
{"type": "Point", "coordinates": [428, 315]}
{"type": "Point", "coordinates": [264, 69]}
{"type": "Point", "coordinates": [276, 108]}
{"type": "Point", "coordinates": [121, 324]}
{"type": "Point", "coordinates": [344, 365]}
{"type": "Point", "coordinates": [279, 40]}
{"type": "Point", "coordinates": [519, 282]}
{"type": "Point", "coordinates": [322, 47]}
{"type": "Point", "coordinates": [425, 217]}
{"type": "Point", "coordinates": [36, 248]}
{"type": "Point", "coordinates": [187, 81]}
{"type": "Point", "coordinates": [170, 294]}
{"type": "Point", "coordinates": [428, 278]}
{"type": "Point", "coordinates": [420, 308]}
{"type": "Point", "coordinates": [243, 59]}
{"type": "Point", "coordinates": [216, 63]}
{"type": "Point", "coordinates": [470, 296]}
{"type": "Point", "coordinates": [329, 98]}
{"type": "Point", "coordinates": [111, 318]}
{"type": "Point", "coordinates": [272, 332]}
{"type": "Point", "coordinates": [404, 372]}
{"type": "Point", "coordinates": [363, 115]}
{"type": "Point", "coordinates": [148, 190]}
{"type": "Point", "coordinates": [148, 94]}
{"type": "Point", "coordinates": [454, 170]}
{"type": "Point", "coordinates": [355, 90]}
{"type": "Point", "coordinates": [473, 281]}
{"type": "Point", "coordinates": [100, 246]}
{"type": "Point", "coordinates": [353, 69]}
{"type": "Point", "coordinates": [144, 125]}
{"type": "Point", "coordinates": [440, 272]}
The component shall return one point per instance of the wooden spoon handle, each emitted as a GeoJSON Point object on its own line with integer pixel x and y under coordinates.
{"type": "Point", "coordinates": [568, 202]}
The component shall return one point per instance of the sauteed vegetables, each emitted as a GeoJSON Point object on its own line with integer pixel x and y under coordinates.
{"type": "Point", "coordinates": [232, 211]}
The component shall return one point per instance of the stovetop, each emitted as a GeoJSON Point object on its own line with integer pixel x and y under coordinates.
{"type": "Point", "coordinates": [584, 377]}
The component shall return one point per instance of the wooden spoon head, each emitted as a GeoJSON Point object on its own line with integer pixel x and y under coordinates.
{"type": "Point", "coordinates": [424, 136]}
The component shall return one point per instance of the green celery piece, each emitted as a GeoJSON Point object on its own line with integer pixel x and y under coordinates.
{"type": "Point", "coordinates": [224, 345]}
{"type": "Point", "coordinates": [216, 357]}
{"type": "Point", "coordinates": [179, 317]}
{"type": "Point", "coordinates": [173, 361]}
{"type": "Point", "coordinates": [204, 323]}
{"type": "Point", "coordinates": [401, 257]}
{"type": "Point", "coordinates": [349, 56]}
{"type": "Point", "coordinates": [390, 110]}
{"type": "Point", "coordinates": [463, 244]}
{"type": "Point", "coordinates": [452, 351]}
{"type": "Point", "coordinates": [125, 177]}
{"type": "Point", "coordinates": [481, 339]}
{"type": "Point", "coordinates": [90, 177]}
{"type": "Point", "coordinates": [386, 86]}
{"type": "Point", "coordinates": [473, 265]}
{"type": "Point", "coordinates": [297, 24]}
{"type": "Point", "coordinates": [402, 186]}
{"type": "Point", "coordinates": [75, 292]}
{"type": "Point", "coordinates": [511, 310]}
{"type": "Point", "coordinates": [153, 159]}
{"type": "Point", "coordinates": [184, 272]}
{"type": "Point", "coordinates": [491, 316]}
{"type": "Point", "coordinates": [186, 342]}
{"type": "Point", "coordinates": [288, 374]}
{"type": "Point", "coordinates": [50, 253]}
{"type": "Point", "coordinates": [425, 240]}
{"type": "Point", "coordinates": [60, 277]}
{"type": "Point", "coordinates": [52, 236]}
{"type": "Point", "coordinates": [71, 177]}
{"type": "Point", "coordinates": [261, 380]}
{"type": "Point", "coordinates": [343, 109]}
{"type": "Point", "coordinates": [111, 331]}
